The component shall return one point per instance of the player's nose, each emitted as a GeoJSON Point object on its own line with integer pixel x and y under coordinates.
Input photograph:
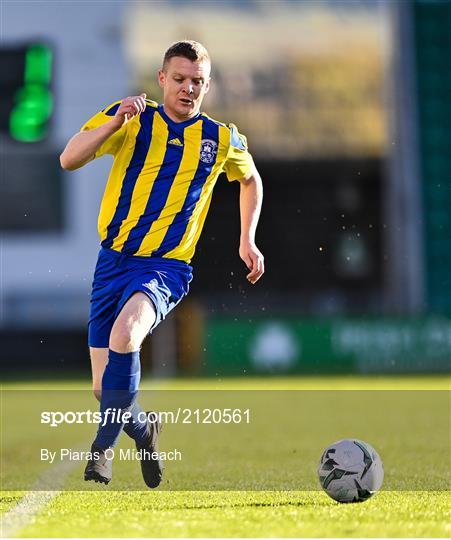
{"type": "Point", "coordinates": [189, 88]}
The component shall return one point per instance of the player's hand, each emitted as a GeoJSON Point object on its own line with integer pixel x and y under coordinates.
{"type": "Point", "coordinates": [253, 259]}
{"type": "Point", "coordinates": [129, 108]}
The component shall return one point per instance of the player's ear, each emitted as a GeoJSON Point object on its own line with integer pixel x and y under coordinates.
{"type": "Point", "coordinates": [207, 85]}
{"type": "Point", "coordinates": [161, 78]}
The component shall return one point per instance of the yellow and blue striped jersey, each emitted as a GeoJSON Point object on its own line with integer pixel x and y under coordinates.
{"type": "Point", "coordinates": [161, 182]}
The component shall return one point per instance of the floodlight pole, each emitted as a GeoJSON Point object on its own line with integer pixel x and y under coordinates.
{"type": "Point", "coordinates": [403, 212]}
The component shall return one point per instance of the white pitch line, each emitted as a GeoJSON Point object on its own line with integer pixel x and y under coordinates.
{"type": "Point", "coordinates": [46, 487]}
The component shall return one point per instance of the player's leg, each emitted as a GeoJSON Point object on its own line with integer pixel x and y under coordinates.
{"type": "Point", "coordinates": [132, 324]}
{"type": "Point", "coordinates": [98, 468]}
{"type": "Point", "coordinates": [99, 360]}
{"type": "Point", "coordinates": [122, 372]}
{"type": "Point", "coordinates": [130, 328]}
{"type": "Point", "coordinates": [137, 428]}
{"type": "Point", "coordinates": [120, 381]}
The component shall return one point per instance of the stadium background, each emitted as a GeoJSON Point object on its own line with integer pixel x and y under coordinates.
{"type": "Point", "coordinates": [347, 112]}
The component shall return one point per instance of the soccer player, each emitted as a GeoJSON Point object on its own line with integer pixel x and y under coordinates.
{"type": "Point", "coordinates": [167, 159]}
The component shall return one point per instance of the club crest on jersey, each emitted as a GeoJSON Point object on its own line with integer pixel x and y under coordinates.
{"type": "Point", "coordinates": [208, 150]}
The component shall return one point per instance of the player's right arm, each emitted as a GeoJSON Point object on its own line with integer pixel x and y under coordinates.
{"type": "Point", "coordinates": [84, 145]}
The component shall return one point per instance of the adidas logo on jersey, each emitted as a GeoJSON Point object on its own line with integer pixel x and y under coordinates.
{"type": "Point", "coordinates": [176, 142]}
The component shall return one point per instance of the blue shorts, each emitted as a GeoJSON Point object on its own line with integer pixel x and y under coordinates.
{"type": "Point", "coordinates": [118, 276]}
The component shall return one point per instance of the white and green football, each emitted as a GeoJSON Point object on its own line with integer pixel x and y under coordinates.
{"type": "Point", "coordinates": [350, 470]}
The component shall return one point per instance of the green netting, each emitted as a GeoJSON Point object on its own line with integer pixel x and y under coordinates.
{"type": "Point", "coordinates": [433, 69]}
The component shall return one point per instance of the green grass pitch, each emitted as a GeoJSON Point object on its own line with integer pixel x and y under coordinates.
{"type": "Point", "coordinates": [99, 513]}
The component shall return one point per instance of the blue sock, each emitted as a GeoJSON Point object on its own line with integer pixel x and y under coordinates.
{"type": "Point", "coordinates": [136, 428]}
{"type": "Point", "coordinates": [119, 390]}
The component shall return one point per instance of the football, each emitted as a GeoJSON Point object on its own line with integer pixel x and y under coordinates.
{"type": "Point", "coordinates": [350, 470]}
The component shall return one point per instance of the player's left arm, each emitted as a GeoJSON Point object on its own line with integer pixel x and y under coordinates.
{"type": "Point", "coordinates": [251, 196]}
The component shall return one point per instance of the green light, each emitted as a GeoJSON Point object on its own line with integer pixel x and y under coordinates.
{"type": "Point", "coordinates": [28, 121]}
{"type": "Point", "coordinates": [38, 65]}
{"type": "Point", "coordinates": [35, 96]}
{"type": "Point", "coordinates": [27, 124]}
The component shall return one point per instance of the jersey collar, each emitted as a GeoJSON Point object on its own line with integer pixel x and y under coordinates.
{"type": "Point", "coordinates": [173, 124]}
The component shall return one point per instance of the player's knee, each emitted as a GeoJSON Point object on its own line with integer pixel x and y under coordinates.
{"type": "Point", "coordinates": [123, 339]}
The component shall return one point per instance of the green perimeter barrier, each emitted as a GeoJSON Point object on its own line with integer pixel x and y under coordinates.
{"type": "Point", "coordinates": [344, 345]}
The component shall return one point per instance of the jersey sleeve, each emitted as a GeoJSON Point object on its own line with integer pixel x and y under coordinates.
{"type": "Point", "coordinates": [113, 144]}
{"type": "Point", "coordinates": [239, 161]}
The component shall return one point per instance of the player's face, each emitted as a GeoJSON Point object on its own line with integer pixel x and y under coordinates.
{"type": "Point", "coordinates": [184, 84]}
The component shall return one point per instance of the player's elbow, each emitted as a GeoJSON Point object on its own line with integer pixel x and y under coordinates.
{"type": "Point", "coordinates": [252, 179]}
{"type": "Point", "coordinates": [252, 176]}
{"type": "Point", "coordinates": [68, 163]}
